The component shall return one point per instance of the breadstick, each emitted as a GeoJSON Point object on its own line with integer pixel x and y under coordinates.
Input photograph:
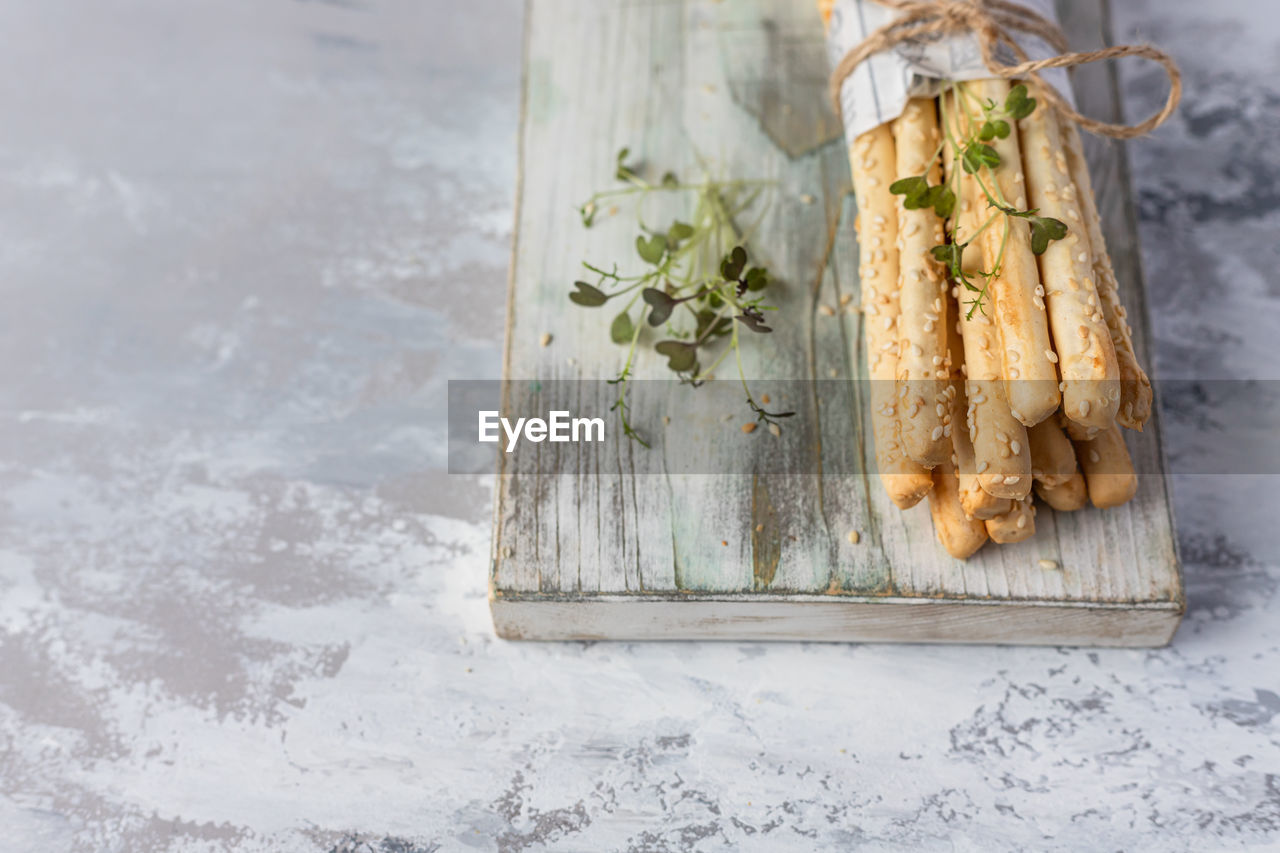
{"type": "Point", "coordinates": [1014, 526]}
{"type": "Point", "coordinates": [974, 500]}
{"type": "Point", "coordinates": [1108, 470]}
{"type": "Point", "coordinates": [1068, 496]}
{"type": "Point", "coordinates": [871, 160]}
{"type": "Point", "coordinates": [960, 535]}
{"type": "Point", "coordinates": [1059, 482]}
{"type": "Point", "coordinates": [1083, 349]}
{"type": "Point", "coordinates": [1031, 380]}
{"type": "Point", "coordinates": [1053, 461]}
{"type": "Point", "coordinates": [1001, 451]}
{"type": "Point", "coordinates": [924, 407]}
{"type": "Point", "coordinates": [1135, 387]}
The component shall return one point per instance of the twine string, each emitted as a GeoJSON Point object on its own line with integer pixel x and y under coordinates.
{"type": "Point", "coordinates": [994, 23]}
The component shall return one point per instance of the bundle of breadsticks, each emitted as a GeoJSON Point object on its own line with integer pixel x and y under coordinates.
{"type": "Point", "coordinates": [983, 400]}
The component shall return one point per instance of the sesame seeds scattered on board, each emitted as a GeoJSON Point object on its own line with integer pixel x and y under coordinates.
{"type": "Point", "coordinates": [545, 340]}
{"type": "Point", "coordinates": [854, 537]}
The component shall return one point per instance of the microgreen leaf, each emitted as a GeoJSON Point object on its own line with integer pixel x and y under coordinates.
{"type": "Point", "coordinates": [1043, 230]}
{"type": "Point", "coordinates": [652, 249]}
{"type": "Point", "coordinates": [710, 323]}
{"type": "Point", "coordinates": [943, 201]}
{"type": "Point", "coordinates": [670, 180]}
{"type": "Point", "coordinates": [679, 231]}
{"type": "Point", "coordinates": [681, 356]}
{"type": "Point", "coordinates": [621, 330]}
{"type": "Point", "coordinates": [914, 188]}
{"type": "Point", "coordinates": [753, 319]}
{"type": "Point", "coordinates": [1002, 127]}
{"type": "Point", "coordinates": [662, 304]}
{"type": "Point", "coordinates": [1017, 105]}
{"type": "Point", "coordinates": [588, 295]}
{"type": "Point", "coordinates": [977, 155]}
{"type": "Point", "coordinates": [950, 255]}
{"type": "Point", "coordinates": [757, 278]}
{"type": "Point", "coordinates": [623, 172]}
{"type": "Point", "coordinates": [731, 266]}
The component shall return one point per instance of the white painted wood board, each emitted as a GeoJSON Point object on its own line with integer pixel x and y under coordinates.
{"type": "Point", "coordinates": [595, 553]}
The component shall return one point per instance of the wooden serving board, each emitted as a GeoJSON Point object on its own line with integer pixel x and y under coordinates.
{"type": "Point", "coordinates": [585, 555]}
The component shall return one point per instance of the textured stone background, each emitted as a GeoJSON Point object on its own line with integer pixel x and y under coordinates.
{"type": "Point", "coordinates": [242, 247]}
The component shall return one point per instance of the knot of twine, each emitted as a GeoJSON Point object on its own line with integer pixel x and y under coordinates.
{"type": "Point", "coordinates": [993, 23]}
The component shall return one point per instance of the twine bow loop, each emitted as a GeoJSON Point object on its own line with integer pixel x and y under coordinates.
{"type": "Point", "coordinates": [994, 24]}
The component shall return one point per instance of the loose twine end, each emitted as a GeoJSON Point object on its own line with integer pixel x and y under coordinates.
{"type": "Point", "coordinates": [994, 22]}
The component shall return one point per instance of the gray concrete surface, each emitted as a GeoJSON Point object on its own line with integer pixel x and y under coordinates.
{"type": "Point", "coordinates": [243, 245]}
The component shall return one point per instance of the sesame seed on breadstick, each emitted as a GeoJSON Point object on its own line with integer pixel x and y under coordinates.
{"type": "Point", "coordinates": [1108, 470]}
{"type": "Point", "coordinates": [1135, 387]}
{"type": "Point", "coordinates": [1017, 524]}
{"type": "Point", "coordinates": [872, 161]}
{"type": "Point", "coordinates": [1082, 343]}
{"type": "Point", "coordinates": [1031, 380]}
{"type": "Point", "coordinates": [1077, 431]}
{"type": "Point", "coordinates": [959, 534]}
{"type": "Point", "coordinates": [924, 406]}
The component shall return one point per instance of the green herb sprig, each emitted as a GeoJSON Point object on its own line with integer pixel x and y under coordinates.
{"type": "Point", "coordinates": [697, 283]}
{"type": "Point", "coordinates": [980, 159]}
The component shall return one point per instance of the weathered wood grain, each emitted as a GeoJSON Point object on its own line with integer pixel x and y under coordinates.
{"type": "Point", "coordinates": [743, 86]}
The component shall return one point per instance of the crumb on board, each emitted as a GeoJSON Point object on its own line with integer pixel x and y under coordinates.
{"type": "Point", "coordinates": [807, 198]}
{"type": "Point", "coordinates": [760, 528]}
{"type": "Point", "coordinates": [775, 430]}
{"type": "Point", "coordinates": [1051, 565]}
{"type": "Point", "coordinates": [724, 542]}
{"type": "Point", "coordinates": [545, 340]}
{"type": "Point", "coordinates": [764, 399]}
{"type": "Point", "coordinates": [826, 311]}
{"type": "Point", "coordinates": [854, 537]}
{"type": "Point", "coordinates": [749, 427]}
{"type": "Point", "coordinates": [846, 298]}
{"type": "Point", "coordinates": [666, 420]}
{"type": "Point", "coordinates": [832, 372]}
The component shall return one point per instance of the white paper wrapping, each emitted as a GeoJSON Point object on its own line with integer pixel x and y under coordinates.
{"type": "Point", "coordinates": [878, 89]}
